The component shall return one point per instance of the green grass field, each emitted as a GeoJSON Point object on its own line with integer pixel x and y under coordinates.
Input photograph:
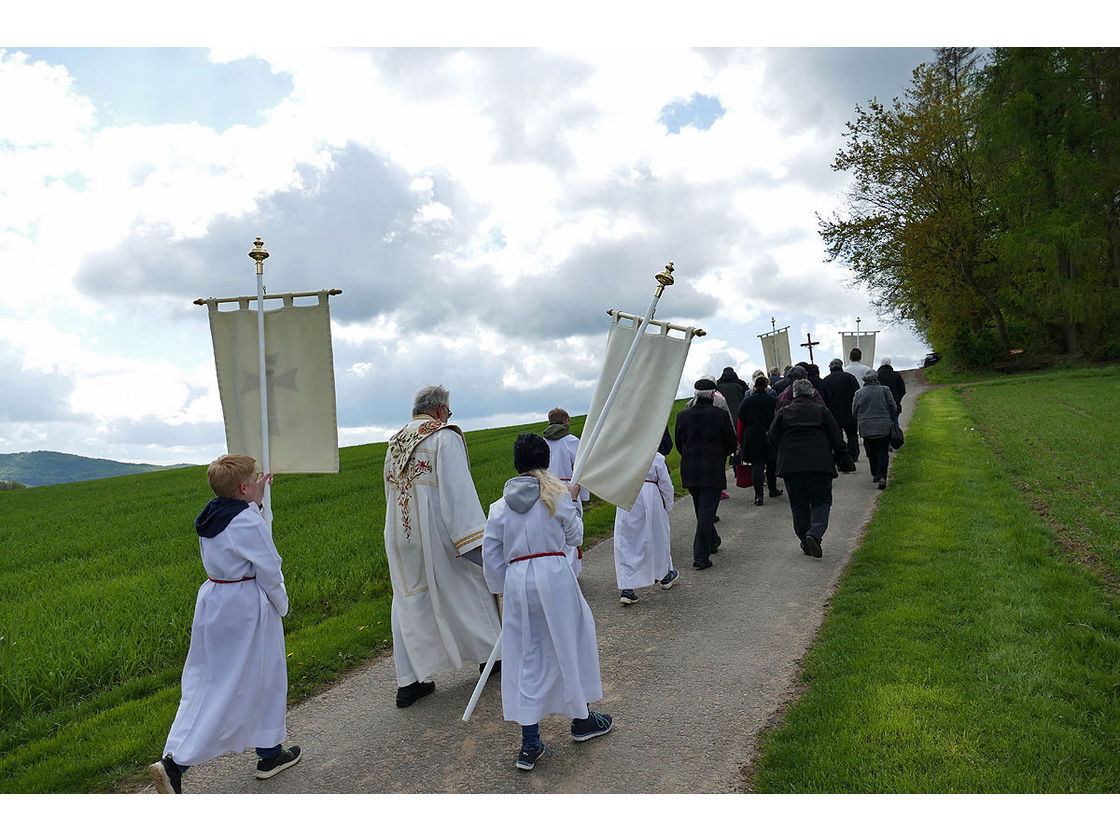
{"type": "Point", "coordinates": [973, 645]}
{"type": "Point", "coordinates": [97, 587]}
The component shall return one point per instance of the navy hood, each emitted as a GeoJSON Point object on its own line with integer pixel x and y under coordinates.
{"type": "Point", "coordinates": [217, 514]}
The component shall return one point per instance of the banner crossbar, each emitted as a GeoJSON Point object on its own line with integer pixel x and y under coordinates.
{"type": "Point", "coordinates": [205, 301]}
{"type": "Point", "coordinates": [665, 325]}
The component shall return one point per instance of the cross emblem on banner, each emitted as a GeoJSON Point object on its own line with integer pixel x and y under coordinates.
{"type": "Point", "coordinates": [810, 344]}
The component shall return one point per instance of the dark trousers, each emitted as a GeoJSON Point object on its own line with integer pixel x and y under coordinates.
{"type": "Point", "coordinates": [877, 458]}
{"type": "Point", "coordinates": [767, 467]}
{"type": "Point", "coordinates": [849, 430]}
{"type": "Point", "coordinates": [810, 500]}
{"type": "Point", "coordinates": [705, 501]}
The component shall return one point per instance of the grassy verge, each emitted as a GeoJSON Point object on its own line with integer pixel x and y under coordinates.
{"type": "Point", "coordinates": [97, 588]}
{"type": "Point", "coordinates": [963, 652]}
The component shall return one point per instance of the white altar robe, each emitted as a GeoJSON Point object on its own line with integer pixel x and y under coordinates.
{"type": "Point", "coordinates": [442, 614]}
{"type": "Point", "coordinates": [235, 679]}
{"type": "Point", "coordinates": [562, 463]}
{"type": "Point", "coordinates": [641, 534]}
{"type": "Point", "coordinates": [550, 656]}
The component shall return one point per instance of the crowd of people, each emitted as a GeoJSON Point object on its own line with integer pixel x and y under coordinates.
{"type": "Point", "coordinates": [463, 580]}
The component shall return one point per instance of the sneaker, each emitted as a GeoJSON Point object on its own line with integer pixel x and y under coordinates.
{"type": "Point", "coordinates": [529, 756]}
{"type": "Point", "coordinates": [627, 596]}
{"type": "Point", "coordinates": [592, 726]}
{"type": "Point", "coordinates": [813, 545]}
{"type": "Point", "coordinates": [167, 777]}
{"type": "Point", "coordinates": [670, 578]}
{"type": "Point", "coordinates": [723, 494]}
{"type": "Point", "coordinates": [269, 767]}
{"type": "Point", "coordinates": [409, 694]}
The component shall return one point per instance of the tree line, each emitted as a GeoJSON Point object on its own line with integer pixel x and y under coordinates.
{"type": "Point", "coordinates": [984, 208]}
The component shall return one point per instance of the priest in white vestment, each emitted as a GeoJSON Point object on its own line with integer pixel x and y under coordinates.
{"type": "Point", "coordinates": [562, 448]}
{"type": "Point", "coordinates": [641, 536]}
{"type": "Point", "coordinates": [443, 615]}
{"type": "Point", "coordinates": [549, 649]}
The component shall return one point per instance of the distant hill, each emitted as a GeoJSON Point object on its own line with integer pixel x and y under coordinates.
{"type": "Point", "coordinates": [37, 469]}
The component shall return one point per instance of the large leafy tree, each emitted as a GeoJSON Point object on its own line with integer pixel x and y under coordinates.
{"type": "Point", "coordinates": [916, 229]}
{"type": "Point", "coordinates": [1051, 130]}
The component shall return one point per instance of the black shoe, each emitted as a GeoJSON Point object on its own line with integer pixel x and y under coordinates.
{"type": "Point", "coordinates": [701, 564]}
{"type": "Point", "coordinates": [168, 778]}
{"type": "Point", "coordinates": [882, 484]}
{"type": "Point", "coordinates": [497, 669]}
{"type": "Point", "coordinates": [758, 501]}
{"type": "Point", "coordinates": [529, 756]}
{"type": "Point", "coordinates": [716, 519]}
{"type": "Point", "coordinates": [592, 726]}
{"type": "Point", "coordinates": [269, 767]}
{"type": "Point", "coordinates": [409, 694]}
{"type": "Point", "coordinates": [776, 493]}
{"type": "Point", "coordinates": [805, 549]}
{"type": "Point", "coordinates": [813, 545]}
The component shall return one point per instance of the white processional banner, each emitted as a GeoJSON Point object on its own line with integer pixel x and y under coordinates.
{"type": "Point", "coordinates": [299, 368]}
{"type": "Point", "coordinates": [865, 341]}
{"type": "Point", "coordinates": [775, 349]}
{"type": "Point", "coordinates": [617, 465]}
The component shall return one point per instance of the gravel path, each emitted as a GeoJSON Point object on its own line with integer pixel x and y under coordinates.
{"type": "Point", "coordinates": [691, 676]}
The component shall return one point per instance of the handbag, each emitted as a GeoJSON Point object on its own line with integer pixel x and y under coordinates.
{"type": "Point", "coordinates": [897, 437]}
{"type": "Point", "coordinates": [744, 475]}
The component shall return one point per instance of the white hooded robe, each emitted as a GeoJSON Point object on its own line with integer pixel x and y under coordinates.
{"type": "Point", "coordinates": [641, 534]}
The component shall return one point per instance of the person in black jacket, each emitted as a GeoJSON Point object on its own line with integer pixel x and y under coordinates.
{"type": "Point", "coordinates": [839, 388]}
{"type": "Point", "coordinates": [705, 438]}
{"type": "Point", "coordinates": [756, 413]}
{"type": "Point", "coordinates": [809, 447]}
{"type": "Point", "coordinates": [892, 379]}
{"type": "Point", "coordinates": [733, 388]}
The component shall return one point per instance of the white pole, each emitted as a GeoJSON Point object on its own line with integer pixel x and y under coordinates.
{"type": "Point", "coordinates": [664, 278]}
{"type": "Point", "coordinates": [260, 255]}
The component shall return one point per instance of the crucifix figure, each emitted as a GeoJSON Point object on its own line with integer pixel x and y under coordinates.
{"type": "Point", "coordinates": [810, 344]}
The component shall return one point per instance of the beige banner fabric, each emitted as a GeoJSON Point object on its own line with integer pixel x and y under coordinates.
{"type": "Point", "coordinates": [299, 369]}
{"type": "Point", "coordinates": [617, 465]}
{"type": "Point", "coordinates": [865, 341]}
{"type": "Point", "coordinates": [775, 349]}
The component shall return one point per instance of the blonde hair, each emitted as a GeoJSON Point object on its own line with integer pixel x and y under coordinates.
{"type": "Point", "coordinates": [551, 488]}
{"type": "Point", "coordinates": [227, 473]}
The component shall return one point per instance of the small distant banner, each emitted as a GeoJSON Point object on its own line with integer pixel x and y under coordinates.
{"type": "Point", "coordinates": [865, 341]}
{"type": "Point", "coordinates": [775, 350]}
{"type": "Point", "coordinates": [617, 465]}
{"type": "Point", "coordinates": [299, 381]}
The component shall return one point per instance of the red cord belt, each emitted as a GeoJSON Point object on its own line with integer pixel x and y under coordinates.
{"type": "Point", "coordinates": [214, 580]}
{"type": "Point", "coordinates": [542, 554]}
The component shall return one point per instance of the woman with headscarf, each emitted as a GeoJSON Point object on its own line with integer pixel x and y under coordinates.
{"type": "Point", "coordinates": [874, 407]}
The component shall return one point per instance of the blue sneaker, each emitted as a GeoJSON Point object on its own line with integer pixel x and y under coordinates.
{"type": "Point", "coordinates": [592, 726]}
{"type": "Point", "coordinates": [529, 756]}
{"type": "Point", "coordinates": [627, 596]}
{"type": "Point", "coordinates": [670, 578]}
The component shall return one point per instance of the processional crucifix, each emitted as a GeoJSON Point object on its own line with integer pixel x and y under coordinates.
{"type": "Point", "coordinates": [810, 344]}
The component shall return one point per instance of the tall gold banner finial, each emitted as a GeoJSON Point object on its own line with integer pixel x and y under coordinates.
{"type": "Point", "coordinates": [259, 254]}
{"type": "Point", "coordinates": [663, 278]}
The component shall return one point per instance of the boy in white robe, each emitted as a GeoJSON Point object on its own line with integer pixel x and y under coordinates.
{"type": "Point", "coordinates": [562, 448]}
{"type": "Point", "coordinates": [641, 536]}
{"type": "Point", "coordinates": [549, 650]}
{"type": "Point", "coordinates": [235, 680]}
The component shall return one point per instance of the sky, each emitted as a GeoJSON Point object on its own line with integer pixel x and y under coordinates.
{"type": "Point", "coordinates": [480, 208]}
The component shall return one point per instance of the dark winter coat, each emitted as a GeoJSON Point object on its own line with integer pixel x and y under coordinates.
{"type": "Point", "coordinates": [779, 384]}
{"type": "Point", "coordinates": [808, 439]}
{"type": "Point", "coordinates": [893, 379]}
{"type": "Point", "coordinates": [839, 388]}
{"type": "Point", "coordinates": [705, 438]}
{"type": "Point", "coordinates": [757, 413]}
{"type": "Point", "coordinates": [733, 388]}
